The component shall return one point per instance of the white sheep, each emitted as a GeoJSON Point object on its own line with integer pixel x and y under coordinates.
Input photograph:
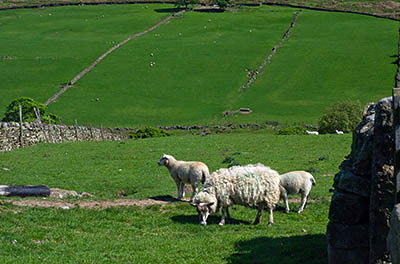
{"type": "Point", "coordinates": [251, 186]}
{"type": "Point", "coordinates": [190, 172]}
{"type": "Point", "coordinates": [296, 182]}
{"type": "Point", "coordinates": [339, 132]}
{"type": "Point", "coordinates": [311, 132]}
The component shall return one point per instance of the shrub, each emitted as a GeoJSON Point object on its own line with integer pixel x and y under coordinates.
{"type": "Point", "coordinates": [294, 130]}
{"type": "Point", "coordinates": [149, 132]}
{"type": "Point", "coordinates": [28, 113]}
{"type": "Point", "coordinates": [221, 3]}
{"type": "Point", "coordinates": [343, 116]}
{"type": "Point", "coordinates": [186, 3]}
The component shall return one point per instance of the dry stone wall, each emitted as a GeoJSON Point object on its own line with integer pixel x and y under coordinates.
{"type": "Point", "coordinates": [364, 192]}
{"type": "Point", "coordinates": [13, 136]}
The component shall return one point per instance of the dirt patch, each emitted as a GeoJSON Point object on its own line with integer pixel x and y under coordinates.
{"type": "Point", "coordinates": [86, 204]}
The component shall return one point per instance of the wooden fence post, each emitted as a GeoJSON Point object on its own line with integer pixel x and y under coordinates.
{"type": "Point", "coordinates": [76, 130]}
{"type": "Point", "coordinates": [21, 139]}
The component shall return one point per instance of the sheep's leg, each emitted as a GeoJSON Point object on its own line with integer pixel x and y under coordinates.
{"type": "Point", "coordinates": [303, 203]}
{"type": "Point", "coordinates": [178, 187]}
{"type": "Point", "coordinates": [182, 189]}
{"type": "Point", "coordinates": [228, 216]}
{"type": "Point", "coordinates": [194, 192]}
{"type": "Point", "coordinates": [271, 217]}
{"type": "Point", "coordinates": [222, 222]}
{"type": "Point", "coordinates": [259, 214]}
{"type": "Point", "coordinates": [285, 199]}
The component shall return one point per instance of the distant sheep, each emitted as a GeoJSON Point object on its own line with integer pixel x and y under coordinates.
{"type": "Point", "coordinates": [251, 186]}
{"type": "Point", "coordinates": [311, 132]}
{"type": "Point", "coordinates": [190, 172]}
{"type": "Point", "coordinates": [296, 182]}
{"type": "Point", "coordinates": [339, 132]}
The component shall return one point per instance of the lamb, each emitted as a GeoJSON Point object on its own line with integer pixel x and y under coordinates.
{"type": "Point", "coordinates": [190, 172]}
{"type": "Point", "coordinates": [311, 132]}
{"type": "Point", "coordinates": [251, 185]}
{"type": "Point", "coordinates": [339, 132]}
{"type": "Point", "coordinates": [296, 182]}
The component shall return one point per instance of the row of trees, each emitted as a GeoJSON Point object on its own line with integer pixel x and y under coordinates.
{"type": "Point", "coordinates": [187, 3]}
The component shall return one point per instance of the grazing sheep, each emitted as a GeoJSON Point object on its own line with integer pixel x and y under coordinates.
{"type": "Point", "coordinates": [339, 132]}
{"type": "Point", "coordinates": [311, 132]}
{"type": "Point", "coordinates": [251, 186]}
{"type": "Point", "coordinates": [191, 172]}
{"type": "Point", "coordinates": [296, 182]}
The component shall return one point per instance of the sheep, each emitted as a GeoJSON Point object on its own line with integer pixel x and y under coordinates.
{"type": "Point", "coordinates": [296, 182]}
{"type": "Point", "coordinates": [190, 172]}
{"type": "Point", "coordinates": [311, 132]}
{"type": "Point", "coordinates": [339, 132]}
{"type": "Point", "coordinates": [251, 185]}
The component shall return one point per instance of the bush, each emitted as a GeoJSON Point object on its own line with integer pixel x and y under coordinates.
{"type": "Point", "coordinates": [28, 113]}
{"type": "Point", "coordinates": [221, 3]}
{"type": "Point", "coordinates": [294, 130]}
{"type": "Point", "coordinates": [186, 3]}
{"type": "Point", "coordinates": [149, 132]}
{"type": "Point", "coordinates": [343, 116]}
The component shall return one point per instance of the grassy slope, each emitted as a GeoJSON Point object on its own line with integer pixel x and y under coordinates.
{"type": "Point", "coordinates": [200, 63]}
{"type": "Point", "coordinates": [173, 234]}
{"type": "Point", "coordinates": [329, 57]}
{"type": "Point", "coordinates": [50, 46]}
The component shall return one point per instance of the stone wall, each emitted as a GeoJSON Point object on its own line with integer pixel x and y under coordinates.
{"type": "Point", "coordinates": [364, 192]}
{"type": "Point", "coordinates": [12, 136]}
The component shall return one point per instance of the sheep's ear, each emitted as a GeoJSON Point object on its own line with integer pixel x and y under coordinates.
{"type": "Point", "coordinates": [210, 204]}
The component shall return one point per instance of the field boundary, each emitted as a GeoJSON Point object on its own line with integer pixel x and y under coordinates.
{"type": "Point", "coordinates": [173, 2]}
{"type": "Point", "coordinates": [99, 59]}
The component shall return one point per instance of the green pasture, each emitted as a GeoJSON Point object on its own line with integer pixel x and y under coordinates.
{"type": "Point", "coordinates": [41, 49]}
{"type": "Point", "coordinates": [199, 63]}
{"type": "Point", "coordinates": [171, 233]}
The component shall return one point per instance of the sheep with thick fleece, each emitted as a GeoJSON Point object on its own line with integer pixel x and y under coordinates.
{"type": "Point", "coordinates": [190, 172]}
{"type": "Point", "coordinates": [296, 182]}
{"type": "Point", "coordinates": [251, 186]}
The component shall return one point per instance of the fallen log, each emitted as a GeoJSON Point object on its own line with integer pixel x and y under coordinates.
{"type": "Point", "coordinates": [24, 190]}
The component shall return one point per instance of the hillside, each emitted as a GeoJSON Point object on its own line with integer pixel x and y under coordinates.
{"type": "Point", "coordinates": [189, 70]}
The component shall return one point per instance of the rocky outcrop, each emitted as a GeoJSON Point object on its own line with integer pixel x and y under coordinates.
{"type": "Point", "coordinates": [364, 192]}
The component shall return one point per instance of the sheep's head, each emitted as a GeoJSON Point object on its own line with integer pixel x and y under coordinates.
{"type": "Point", "coordinates": [164, 161]}
{"type": "Point", "coordinates": [205, 205]}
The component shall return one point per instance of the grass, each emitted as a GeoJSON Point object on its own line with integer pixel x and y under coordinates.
{"type": "Point", "coordinates": [200, 62]}
{"type": "Point", "coordinates": [44, 48]}
{"type": "Point", "coordinates": [171, 233]}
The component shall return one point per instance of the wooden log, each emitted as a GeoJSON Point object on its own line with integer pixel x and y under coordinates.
{"type": "Point", "coordinates": [24, 190]}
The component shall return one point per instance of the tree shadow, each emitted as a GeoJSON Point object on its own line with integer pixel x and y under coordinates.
{"type": "Point", "coordinates": [310, 249]}
{"type": "Point", "coordinates": [169, 10]}
{"type": "Point", "coordinates": [212, 220]}
{"type": "Point", "coordinates": [397, 59]}
{"type": "Point", "coordinates": [210, 10]}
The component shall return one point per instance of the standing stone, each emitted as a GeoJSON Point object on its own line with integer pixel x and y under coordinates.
{"type": "Point", "coordinates": [383, 186]}
{"type": "Point", "coordinates": [393, 239]}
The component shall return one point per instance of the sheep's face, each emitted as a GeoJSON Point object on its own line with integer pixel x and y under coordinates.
{"type": "Point", "coordinates": [164, 161]}
{"type": "Point", "coordinates": [204, 210]}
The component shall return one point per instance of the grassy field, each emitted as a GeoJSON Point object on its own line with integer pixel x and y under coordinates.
{"type": "Point", "coordinates": [200, 62]}
{"type": "Point", "coordinates": [171, 233]}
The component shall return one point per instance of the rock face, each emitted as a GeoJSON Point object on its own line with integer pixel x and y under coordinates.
{"type": "Point", "coordinates": [364, 189]}
{"type": "Point", "coordinates": [393, 239]}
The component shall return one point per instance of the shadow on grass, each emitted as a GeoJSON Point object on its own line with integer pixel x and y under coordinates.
{"type": "Point", "coordinates": [212, 220]}
{"type": "Point", "coordinates": [166, 198]}
{"type": "Point", "coordinates": [310, 249]}
{"type": "Point", "coordinates": [168, 10]}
